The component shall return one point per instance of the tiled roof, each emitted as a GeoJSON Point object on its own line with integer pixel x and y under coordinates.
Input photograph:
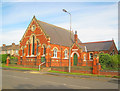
{"type": "Point", "coordinates": [82, 47]}
{"type": "Point", "coordinates": [58, 35]}
{"type": "Point", "coordinates": [9, 47]}
{"type": "Point", "coordinates": [98, 46]}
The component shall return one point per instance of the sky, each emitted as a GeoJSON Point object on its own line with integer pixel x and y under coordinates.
{"type": "Point", "coordinates": [94, 21]}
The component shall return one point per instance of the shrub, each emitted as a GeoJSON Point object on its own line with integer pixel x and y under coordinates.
{"type": "Point", "coordinates": [3, 58]}
{"type": "Point", "coordinates": [109, 62]}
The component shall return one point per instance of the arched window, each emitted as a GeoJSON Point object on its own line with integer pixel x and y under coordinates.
{"type": "Point", "coordinates": [23, 52]}
{"type": "Point", "coordinates": [37, 48]}
{"type": "Point", "coordinates": [33, 46]}
{"type": "Point", "coordinates": [55, 53]}
{"type": "Point", "coordinates": [44, 50]}
{"type": "Point", "coordinates": [28, 48]}
{"type": "Point", "coordinates": [65, 53]}
{"type": "Point", "coordinates": [84, 58]}
{"type": "Point", "coordinates": [91, 56]}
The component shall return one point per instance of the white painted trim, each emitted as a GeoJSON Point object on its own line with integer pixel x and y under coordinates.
{"type": "Point", "coordinates": [65, 58]}
{"type": "Point", "coordinates": [76, 53]}
{"type": "Point", "coordinates": [55, 57]}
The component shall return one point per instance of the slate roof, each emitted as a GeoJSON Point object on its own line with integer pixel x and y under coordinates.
{"type": "Point", "coordinates": [57, 34]}
{"type": "Point", "coordinates": [82, 47]}
{"type": "Point", "coordinates": [98, 46]}
{"type": "Point", "coordinates": [9, 47]}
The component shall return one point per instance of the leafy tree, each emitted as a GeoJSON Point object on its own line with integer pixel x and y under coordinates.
{"type": "Point", "coordinates": [119, 52]}
{"type": "Point", "coordinates": [109, 62]}
{"type": "Point", "coordinates": [3, 58]}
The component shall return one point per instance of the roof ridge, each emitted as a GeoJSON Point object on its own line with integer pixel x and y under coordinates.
{"type": "Point", "coordinates": [97, 42]}
{"type": "Point", "coordinates": [56, 26]}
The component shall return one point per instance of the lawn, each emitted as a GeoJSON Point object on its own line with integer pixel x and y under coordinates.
{"type": "Point", "coordinates": [22, 68]}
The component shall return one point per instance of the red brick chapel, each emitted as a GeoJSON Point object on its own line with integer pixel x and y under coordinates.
{"type": "Point", "coordinates": [43, 42]}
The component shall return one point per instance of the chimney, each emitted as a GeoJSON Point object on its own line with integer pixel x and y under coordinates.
{"type": "Point", "coordinates": [13, 43]}
{"type": "Point", "coordinates": [4, 45]}
{"type": "Point", "coordinates": [75, 37]}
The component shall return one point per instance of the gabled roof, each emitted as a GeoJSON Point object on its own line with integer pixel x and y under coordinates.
{"type": "Point", "coordinates": [98, 46]}
{"type": "Point", "coordinates": [57, 34]}
{"type": "Point", "coordinates": [9, 47]}
{"type": "Point", "coordinates": [82, 47]}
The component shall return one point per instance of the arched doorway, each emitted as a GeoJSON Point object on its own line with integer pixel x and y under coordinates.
{"type": "Point", "coordinates": [75, 58]}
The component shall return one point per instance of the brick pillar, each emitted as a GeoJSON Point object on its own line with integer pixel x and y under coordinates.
{"type": "Point", "coordinates": [96, 65]}
{"type": "Point", "coordinates": [8, 61]}
{"type": "Point", "coordinates": [47, 56]}
{"type": "Point", "coordinates": [18, 61]}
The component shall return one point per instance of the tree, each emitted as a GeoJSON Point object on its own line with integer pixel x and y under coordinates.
{"type": "Point", "coordinates": [109, 61]}
{"type": "Point", "coordinates": [119, 52]}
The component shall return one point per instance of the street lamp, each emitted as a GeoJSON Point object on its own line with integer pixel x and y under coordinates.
{"type": "Point", "coordinates": [70, 39]}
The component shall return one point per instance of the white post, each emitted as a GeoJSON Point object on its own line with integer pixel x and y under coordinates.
{"type": "Point", "coordinates": [39, 67]}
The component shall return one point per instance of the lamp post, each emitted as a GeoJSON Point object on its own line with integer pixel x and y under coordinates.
{"type": "Point", "coordinates": [70, 39]}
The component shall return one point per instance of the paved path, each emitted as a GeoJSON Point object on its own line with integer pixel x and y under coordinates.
{"type": "Point", "coordinates": [33, 80]}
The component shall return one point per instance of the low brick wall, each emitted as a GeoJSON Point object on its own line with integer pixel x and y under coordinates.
{"type": "Point", "coordinates": [86, 71]}
{"type": "Point", "coordinates": [82, 71]}
{"type": "Point", "coordinates": [112, 73]}
{"type": "Point", "coordinates": [65, 69]}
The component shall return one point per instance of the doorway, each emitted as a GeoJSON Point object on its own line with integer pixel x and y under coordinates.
{"type": "Point", "coordinates": [75, 58]}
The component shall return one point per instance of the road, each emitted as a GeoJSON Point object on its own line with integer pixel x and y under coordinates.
{"type": "Point", "coordinates": [26, 80]}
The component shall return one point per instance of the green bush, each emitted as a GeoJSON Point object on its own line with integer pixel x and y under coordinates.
{"type": "Point", "coordinates": [109, 62]}
{"type": "Point", "coordinates": [3, 58]}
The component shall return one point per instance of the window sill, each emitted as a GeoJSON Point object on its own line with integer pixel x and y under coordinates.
{"type": "Point", "coordinates": [31, 56]}
{"type": "Point", "coordinates": [55, 57]}
{"type": "Point", "coordinates": [43, 56]}
{"type": "Point", "coordinates": [91, 60]}
{"type": "Point", "coordinates": [65, 58]}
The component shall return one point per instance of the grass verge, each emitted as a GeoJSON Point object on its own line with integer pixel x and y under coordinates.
{"type": "Point", "coordinates": [22, 68]}
{"type": "Point", "coordinates": [84, 74]}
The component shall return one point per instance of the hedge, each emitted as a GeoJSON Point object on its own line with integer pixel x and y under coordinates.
{"type": "Point", "coordinates": [109, 61]}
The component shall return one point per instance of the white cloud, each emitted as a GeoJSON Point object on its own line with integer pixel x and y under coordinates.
{"type": "Point", "coordinates": [12, 36]}
{"type": "Point", "coordinates": [93, 23]}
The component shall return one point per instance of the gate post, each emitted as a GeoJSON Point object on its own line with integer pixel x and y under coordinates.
{"type": "Point", "coordinates": [47, 56]}
{"type": "Point", "coordinates": [96, 64]}
{"type": "Point", "coordinates": [8, 61]}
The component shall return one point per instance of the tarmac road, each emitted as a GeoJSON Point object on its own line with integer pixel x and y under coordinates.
{"type": "Point", "coordinates": [25, 80]}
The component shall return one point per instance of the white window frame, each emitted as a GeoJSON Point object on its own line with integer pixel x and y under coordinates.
{"type": "Point", "coordinates": [44, 50]}
{"type": "Point", "coordinates": [65, 54]}
{"type": "Point", "coordinates": [8, 51]}
{"type": "Point", "coordinates": [90, 56]}
{"type": "Point", "coordinates": [55, 53]}
{"type": "Point", "coordinates": [16, 51]}
{"type": "Point", "coordinates": [84, 57]}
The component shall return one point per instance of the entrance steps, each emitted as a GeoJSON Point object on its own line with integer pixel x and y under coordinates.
{"type": "Point", "coordinates": [45, 69]}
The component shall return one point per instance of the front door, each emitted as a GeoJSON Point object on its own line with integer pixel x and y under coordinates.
{"type": "Point", "coordinates": [75, 58]}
